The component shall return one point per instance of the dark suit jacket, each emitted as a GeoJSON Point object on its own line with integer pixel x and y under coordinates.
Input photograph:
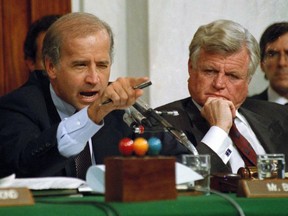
{"type": "Point", "coordinates": [28, 126]}
{"type": "Point", "coordinates": [268, 120]}
{"type": "Point", "coordinates": [261, 96]}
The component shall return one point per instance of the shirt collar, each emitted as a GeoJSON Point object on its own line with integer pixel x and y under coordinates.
{"type": "Point", "coordinates": [273, 96]}
{"type": "Point", "coordinates": [64, 109]}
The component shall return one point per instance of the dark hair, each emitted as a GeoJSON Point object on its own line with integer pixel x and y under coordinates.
{"type": "Point", "coordinates": [40, 25]}
{"type": "Point", "coordinates": [271, 34]}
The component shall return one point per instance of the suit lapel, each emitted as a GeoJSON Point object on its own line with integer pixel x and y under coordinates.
{"type": "Point", "coordinates": [199, 124]}
{"type": "Point", "coordinates": [39, 79]}
{"type": "Point", "coordinates": [52, 111]}
{"type": "Point", "coordinates": [260, 127]}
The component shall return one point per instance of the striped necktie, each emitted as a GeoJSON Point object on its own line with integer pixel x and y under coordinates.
{"type": "Point", "coordinates": [83, 162]}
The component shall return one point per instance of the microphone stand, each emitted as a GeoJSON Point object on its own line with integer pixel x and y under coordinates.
{"type": "Point", "coordinates": [143, 108]}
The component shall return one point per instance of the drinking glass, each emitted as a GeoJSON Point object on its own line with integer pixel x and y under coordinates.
{"type": "Point", "coordinates": [201, 165]}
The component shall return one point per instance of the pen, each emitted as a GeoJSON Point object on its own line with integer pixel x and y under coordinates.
{"type": "Point", "coordinates": [140, 86]}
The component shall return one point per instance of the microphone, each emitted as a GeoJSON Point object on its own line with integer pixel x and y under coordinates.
{"type": "Point", "coordinates": [138, 129]}
{"type": "Point", "coordinates": [129, 120]}
{"type": "Point", "coordinates": [138, 117]}
{"type": "Point", "coordinates": [134, 120]}
{"type": "Point", "coordinates": [145, 110]}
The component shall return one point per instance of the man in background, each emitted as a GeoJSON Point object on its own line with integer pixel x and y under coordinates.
{"type": "Point", "coordinates": [274, 63]}
{"type": "Point", "coordinates": [223, 58]}
{"type": "Point", "coordinates": [34, 40]}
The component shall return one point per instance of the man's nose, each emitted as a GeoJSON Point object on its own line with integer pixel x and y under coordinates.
{"type": "Point", "coordinates": [283, 59]}
{"type": "Point", "coordinates": [92, 76]}
{"type": "Point", "coordinates": [219, 81]}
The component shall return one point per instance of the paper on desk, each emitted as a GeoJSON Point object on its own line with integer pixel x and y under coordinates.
{"type": "Point", "coordinates": [185, 174]}
{"type": "Point", "coordinates": [96, 176]}
{"type": "Point", "coordinates": [95, 180]}
{"type": "Point", "coordinates": [42, 183]}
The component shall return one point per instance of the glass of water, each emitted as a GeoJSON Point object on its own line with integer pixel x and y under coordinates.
{"type": "Point", "coordinates": [271, 166]}
{"type": "Point", "coordinates": [201, 165]}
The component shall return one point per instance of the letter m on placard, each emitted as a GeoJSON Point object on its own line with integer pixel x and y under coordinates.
{"type": "Point", "coordinates": [271, 187]}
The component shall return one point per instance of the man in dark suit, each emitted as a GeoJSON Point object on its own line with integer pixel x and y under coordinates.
{"type": "Point", "coordinates": [274, 63]}
{"type": "Point", "coordinates": [40, 133]}
{"type": "Point", "coordinates": [223, 58]}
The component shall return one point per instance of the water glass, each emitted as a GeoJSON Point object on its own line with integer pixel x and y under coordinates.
{"type": "Point", "coordinates": [271, 166]}
{"type": "Point", "coordinates": [201, 165]}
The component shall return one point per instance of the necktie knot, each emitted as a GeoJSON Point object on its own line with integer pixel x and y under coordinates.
{"type": "Point", "coordinates": [234, 131]}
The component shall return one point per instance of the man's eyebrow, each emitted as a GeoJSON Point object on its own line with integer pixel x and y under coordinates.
{"type": "Point", "coordinates": [79, 61]}
{"type": "Point", "coordinates": [103, 62]}
{"type": "Point", "coordinates": [272, 50]}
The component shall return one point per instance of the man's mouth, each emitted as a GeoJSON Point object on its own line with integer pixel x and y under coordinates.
{"type": "Point", "coordinates": [218, 96]}
{"type": "Point", "coordinates": [88, 94]}
{"type": "Point", "coordinates": [283, 72]}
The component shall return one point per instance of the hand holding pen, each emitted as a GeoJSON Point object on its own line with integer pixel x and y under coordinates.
{"type": "Point", "coordinates": [141, 86]}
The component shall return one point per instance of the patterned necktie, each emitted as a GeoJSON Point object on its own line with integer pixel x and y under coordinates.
{"type": "Point", "coordinates": [83, 162]}
{"type": "Point", "coordinates": [245, 149]}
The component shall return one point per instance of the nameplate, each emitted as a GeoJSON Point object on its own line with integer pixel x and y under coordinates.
{"type": "Point", "coordinates": [263, 188]}
{"type": "Point", "coordinates": [15, 197]}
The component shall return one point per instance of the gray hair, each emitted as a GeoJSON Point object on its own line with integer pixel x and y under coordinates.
{"type": "Point", "coordinates": [225, 37]}
{"type": "Point", "coordinates": [72, 25]}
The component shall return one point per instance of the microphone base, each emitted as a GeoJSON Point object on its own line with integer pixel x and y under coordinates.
{"type": "Point", "coordinates": [131, 179]}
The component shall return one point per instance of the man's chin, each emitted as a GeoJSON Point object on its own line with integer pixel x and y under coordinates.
{"type": "Point", "coordinates": [82, 106]}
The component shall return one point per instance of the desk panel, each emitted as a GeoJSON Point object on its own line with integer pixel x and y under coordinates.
{"type": "Point", "coordinates": [183, 205]}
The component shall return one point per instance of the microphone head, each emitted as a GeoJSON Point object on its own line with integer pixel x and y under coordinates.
{"type": "Point", "coordinates": [132, 123]}
{"type": "Point", "coordinates": [129, 120]}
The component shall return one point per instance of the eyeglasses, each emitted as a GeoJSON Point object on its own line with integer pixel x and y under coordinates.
{"type": "Point", "coordinates": [272, 55]}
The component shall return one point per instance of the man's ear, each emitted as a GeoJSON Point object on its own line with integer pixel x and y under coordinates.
{"type": "Point", "coordinates": [262, 65]}
{"type": "Point", "coordinates": [30, 64]}
{"type": "Point", "coordinates": [190, 67]}
{"type": "Point", "coordinates": [50, 68]}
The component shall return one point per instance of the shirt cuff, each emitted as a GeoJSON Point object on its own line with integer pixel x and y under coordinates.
{"type": "Point", "coordinates": [74, 132]}
{"type": "Point", "coordinates": [217, 139]}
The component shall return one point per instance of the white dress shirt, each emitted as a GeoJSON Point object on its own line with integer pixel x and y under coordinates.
{"type": "Point", "coordinates": [74, 130]}
{"type": "Point", "coordinates": [273, 96]}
